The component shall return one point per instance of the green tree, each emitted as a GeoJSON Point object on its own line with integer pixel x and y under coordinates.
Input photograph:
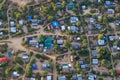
{"type": "Point", "coordinates": [40, 36]}
{"type": "Point", "coordinates": [32, 61]}
{"type": "Point", "coordinates": [103, 61]}
{"type": "Point", "coordinates": [24, 42]}
{"type": "Point", "coordinates": [77, 65]}
{"type": "Point", "coordinates": [103, 53]}
{"type": "Point", "coordinates": [78, 23]}
{"type": "Point", "coordinates": [24, 7]}
{"type": "Point", "coordinates": [105, 20]}
{"type": "Point", "coordinates": [53, 6]}
{"type": "Point", "coordinates": [18, 69]}
{"type": "Point", "coordinates": [50, 18]}
{"type": "Point", "coordinates": [28, 70]}
{"type": "Point", "coordinates": [112, 73]}
{"type": "Point", "coordinates": [100, 36]}
{"type": "Point", "coordinates": [36, 16]}
{"type": "Point", "coordinates": [84, 43]}
{"type": "Point", "coordinates": [115, 43]}
{"type": "Point", "coordinates": [63, 4]}
{"type": "Point", "coordinates": [56, 47]}
{"type": "Point", "coordinates": [43, 73]}
{"type": "Point", "coordinates": [18, 60]}
{"type": "Point", "coordinates": [100, 20]}
{"type": "Point", "coordinates": [100, 79]}
{"type": "Point", "coordinates": [7, 72]}
{"type": "Point", "coordinates": [17, 15]}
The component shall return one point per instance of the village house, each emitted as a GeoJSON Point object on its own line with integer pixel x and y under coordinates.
{"type": "Point", "coordinates": [15, 74]}
{"type": "Point", "coordinates": [77, 77]}
{"type": "Point", "coordinates": [108, 3]}
{"type": "Point", "coordinates": [55, 24]}
{"type": "Point", "coordinates": [58, 4]}
{"type": "Point", "coordinates": [92, 77]}
{"type": "Point", "coordinates": [116, 48]}
{"type": "Point", "coordinates": [60, 42]}
{"type": "Point", "coordinates": [1, 33]}
{"type": "Point", "coordinates": [95, 61]}
{"type": "Point", "coordinates": [117, 22]}
{"type": "Point", "coordinates": [35, 22]}
{"type": "Point", "coordinates": [32, 78]}
{"type": "Point", "coordinates": [110, 11]}
{"type": "Point", "coordinates": [74, 19]}
{"type": "Point", "coordinates": [101, 42]}
{"type": "Point", "coordinates": [63, 27]}
{"type": "Point", "coordinates": [33, 42]}
{"type": "Point", "coordinates": [73, 29]}
{"type": "Point", "coordinates": [3, 60]}
{"type": "Point", "coordinates": [13, 29]}
{"type": "Point", "coordinates": [34, 67]}
{"type": "Point", "coordinates": [25, 56]}
{"type": "Point", "coordinates": [62, 78]}
{"type": "Point", "coordinates": [83, 65]}
{"type": "Point", "coordinates": [94, 53]}
{"type": "Point", "coordinates": [12, 24]}
{"type": "Point", "coordinates": [66, 67]}
{"type": "Point", "coordinates": [84, 7]}
{"type": "Point", "coordinates": [111, 38]}
{"type": "Point", "coordinates": [1, 23]}
{"type": "Point", "coordinates": [92, 20]}
{"type": "Point", "coordinates": [49, 77]}
{"type": "Point", "coordinates": [70, 6]}
{"type": "Point", "coordinates": [45, 65]}
{"type": "Point", "coordinates": [21, 22]}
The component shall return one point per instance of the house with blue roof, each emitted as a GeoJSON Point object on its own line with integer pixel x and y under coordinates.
{"type": "Point", "coordinates": [9, 53]}
{"type": "Point", "coordinates": [58, 5]}
{"type": "Point", "coordinates": [29, 18]}
{"type": "Point", "coordinates": [49, 43]}
{"type": "Point", "coordinates": [70, 6]}
{"type": "Point", "coordinates": [34, 67]}
{"type": "Point", "coordinates": [55, 23]}
{"type": "Point", "coordinates": [108, 3]}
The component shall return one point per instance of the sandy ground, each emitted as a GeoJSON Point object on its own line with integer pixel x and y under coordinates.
{"type": "Point", "coordinates": [20, 2]}
{"type": "Point", "coordinates": [16, 44]}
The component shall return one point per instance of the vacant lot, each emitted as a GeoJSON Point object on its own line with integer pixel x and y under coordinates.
{"type": "Point", "coordinates": [20, 2]}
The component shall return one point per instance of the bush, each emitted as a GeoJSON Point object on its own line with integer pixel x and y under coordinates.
{"type": "Point", "coordinates": [18, 60]}
{"type": "Point", "coordinates": [18, 69]}
{"type": "Point", "coordinates": [92, 10]}
{"type": "Point", "coordinates": [41, 56]}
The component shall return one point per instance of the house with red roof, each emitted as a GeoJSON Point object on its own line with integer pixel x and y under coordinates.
{"type": "Point", "coordinates": [3, 60]}
{"type": "Point", "coordinates": [118, 72]}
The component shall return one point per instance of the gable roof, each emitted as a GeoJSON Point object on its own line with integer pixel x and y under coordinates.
{"type": "Point", "coordinates": [95, 61]}
{"type": "Point", "coordinates": [4, 59]}
{"type": "Point", "coordinates": [118, 71]}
